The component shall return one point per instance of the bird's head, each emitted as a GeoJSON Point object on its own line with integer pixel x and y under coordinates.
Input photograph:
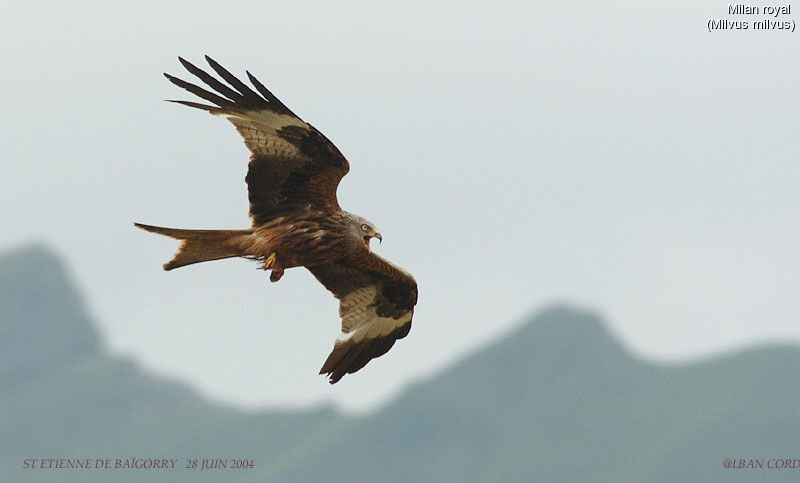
{"type": "Point", "coordinates": [366, 230]}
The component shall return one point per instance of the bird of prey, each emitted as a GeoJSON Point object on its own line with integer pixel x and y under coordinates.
{"type": "Point", "coordinates": [292, 178]}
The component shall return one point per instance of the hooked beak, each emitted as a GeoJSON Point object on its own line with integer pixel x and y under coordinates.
{"type": "Point", "coordinates": [369, 237]}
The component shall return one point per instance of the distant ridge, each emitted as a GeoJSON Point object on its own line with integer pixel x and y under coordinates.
{"type": "Point", "coordinates": [557, 399]}
{"type": "Point", "coordinates": [44, 323]}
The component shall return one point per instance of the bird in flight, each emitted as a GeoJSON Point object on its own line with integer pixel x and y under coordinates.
{"type": "Point", "coordinates": [292, 178]}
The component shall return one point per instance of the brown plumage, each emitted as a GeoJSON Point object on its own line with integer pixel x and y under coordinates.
{"type": "Point", "coordinates": [292, 178]}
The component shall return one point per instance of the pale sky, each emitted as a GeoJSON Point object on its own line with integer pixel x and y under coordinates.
{"type": "Point", "coordinates": [615, 155]}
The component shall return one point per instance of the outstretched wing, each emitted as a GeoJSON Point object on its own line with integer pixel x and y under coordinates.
{"type": "Point", "coordinates": [293, 166]}
{"type": "Point", "coordinates": [376, 303]}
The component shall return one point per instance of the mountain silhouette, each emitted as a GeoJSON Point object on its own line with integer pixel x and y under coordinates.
{"type": "Point", "coordinates": [558, 399]}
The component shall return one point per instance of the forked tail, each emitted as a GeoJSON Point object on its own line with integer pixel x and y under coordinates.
{"type": "Point", "coordinates": [202, 245]}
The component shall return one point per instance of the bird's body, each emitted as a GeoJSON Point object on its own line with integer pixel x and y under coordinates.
{"type": "Point", "coordinates": [303, 239]}
{"type": "Point", "coordinates": [292, 178]}
{"type": "Point", "coordinates": [306, 239]}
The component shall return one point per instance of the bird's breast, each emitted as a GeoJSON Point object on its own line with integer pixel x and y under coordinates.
{"type": "Point", "coordinates": [305, 240]}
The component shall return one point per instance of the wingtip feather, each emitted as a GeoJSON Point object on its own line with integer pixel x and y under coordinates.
{"type": "Point", "coordinates": [185, 63]}
{"type": "Point", "coordinates": [196, 105]}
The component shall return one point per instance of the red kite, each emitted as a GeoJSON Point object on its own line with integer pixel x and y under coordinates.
{"type": "Point", "coordinates": [292, 178]}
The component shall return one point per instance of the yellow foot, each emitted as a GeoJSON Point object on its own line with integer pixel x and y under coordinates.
{"type": "Point", "coordinates": [270, 261]}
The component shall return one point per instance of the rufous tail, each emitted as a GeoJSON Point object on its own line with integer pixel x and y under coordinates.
{"type": "Point", "coordinates": [202, 245]}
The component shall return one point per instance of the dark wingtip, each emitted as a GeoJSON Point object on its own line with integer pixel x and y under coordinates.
{"type": "Point", "coordinates": [178, 82]}
{"type": "Point", "coordinates": [332, 377]}
{"type": "Point", "coordinates": [211, 62]}
{"type": "Point", "coordinates": [185, 63]}
{"type": "Point", "coordinates": [196, 105]}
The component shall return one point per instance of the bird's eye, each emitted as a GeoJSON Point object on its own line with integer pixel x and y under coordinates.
{"type": "Point", "coordinates": [365, 227]}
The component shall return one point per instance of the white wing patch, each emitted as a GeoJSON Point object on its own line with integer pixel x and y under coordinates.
{"type": "Point", "coordinates": [275, 120]}
{"type": "Point", "coordinates": [372, 327]}
{"type": "Point", "coordinates": [345, 336]}
{"type": "Point", "coordinates": [353, 306]}
{"type": "Point", "coordinates": [259, 128]}
{"type": "Point", "coordinates": [360, 320]}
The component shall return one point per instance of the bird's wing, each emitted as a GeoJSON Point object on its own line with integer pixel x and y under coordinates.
{"type": "Point", "coordinates": [376, 303]}
{"type": "Point", "coordinates": [293, 166]}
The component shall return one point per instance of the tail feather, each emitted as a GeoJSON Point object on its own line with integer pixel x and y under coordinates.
{"type": "Point", "coordinates": [202, 245]}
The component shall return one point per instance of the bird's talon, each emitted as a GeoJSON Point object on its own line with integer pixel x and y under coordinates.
{"type": "Point", "coordinates": [270, 261]}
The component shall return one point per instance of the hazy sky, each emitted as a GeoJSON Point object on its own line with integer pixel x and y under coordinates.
{"type": "Point", "coordinates": [614, 154]}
